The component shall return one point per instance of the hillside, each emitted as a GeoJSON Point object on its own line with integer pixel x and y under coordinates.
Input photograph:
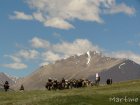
{"type": "Point", "coordinates": [82, 66]}
{"type": "Point", "coordinates": [85, 96]}
{"type": "Point", "coordinates": [128, 70]}
{"type": "Point", "coordinates": [4, 77]}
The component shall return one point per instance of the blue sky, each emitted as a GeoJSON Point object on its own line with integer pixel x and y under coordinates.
{"type": "Point", "coordinates": [38, 32]}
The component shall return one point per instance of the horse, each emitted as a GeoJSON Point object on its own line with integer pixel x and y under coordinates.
{"type": "Point", "coordinates": [49, 84]}
{"type": "Point", "coordinates": [54, 85]}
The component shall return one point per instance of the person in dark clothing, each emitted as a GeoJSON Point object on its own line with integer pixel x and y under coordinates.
{"type": "Point", "coordinates": [21, 88]}
{"type": "Point", "coordinates": [6, 86]}
{"type": "Point", "coordinates": [109, 81]}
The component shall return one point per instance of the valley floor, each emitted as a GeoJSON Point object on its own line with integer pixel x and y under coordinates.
{"type": "Point", "coordinates": [125, 93]}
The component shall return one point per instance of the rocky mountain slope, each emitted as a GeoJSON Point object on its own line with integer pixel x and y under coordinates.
{"type": "Point", "coordinates": [83, 66]}
{"type": "Point", "coordinates": [4, 77]}
{"type": "Point", "coordinates": [127, 70]}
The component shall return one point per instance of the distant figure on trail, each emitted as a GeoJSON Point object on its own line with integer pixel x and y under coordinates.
{"type": "Point", "coordinates": [21, 88]}
{"type": "Point", "coordinates": [109, 81]}
{"type": "Point", "coordinates": [6, 86]}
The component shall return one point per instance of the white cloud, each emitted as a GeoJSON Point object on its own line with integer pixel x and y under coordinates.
{"type": "Point", "coordinates": [21, 16]}
{"type": "Point", "coordinates": [58, 23]}
{"type": "Point", "coordinates": [126, 54]}
{"type": "Point", "coordinates": [50, 56]}
{"type": "Point", "coordinates": [60, 13]}
{"type": "Point", "coordinates": [16, 63]}
{"type": "Point", "coordinates": [76, 47]}
{"type": "Point", "coordinates": [38, 16]}
{"type": "Point", "coordinates": [17, 59]}
{"type": "Point", "coordinates": [39, 43]}
{"type": "Point", "coordinates": [27, 54]}
{"type": "Point", "coordinates": [44, 63]}
{"type": "Point", "coordinates": [14, 58]}
{"type": "Point", "coordinates": [108, 3]}
{"type": "Point", "coordinates": [16, 66]}
{"type": "Point", "coordinates": [122, 8]}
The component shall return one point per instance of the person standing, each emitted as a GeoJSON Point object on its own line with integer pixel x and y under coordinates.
{"type": "Point", "coordinates": [6, 86]}
{"type": "Point", "coordinates": [21, 88]}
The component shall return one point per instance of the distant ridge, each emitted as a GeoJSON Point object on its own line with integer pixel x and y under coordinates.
{"type": "Point", "coordinates": [127, 70]}
{"type": "Point", "coordinates": [4, 77]}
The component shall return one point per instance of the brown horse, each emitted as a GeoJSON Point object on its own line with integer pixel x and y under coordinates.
{"type": "Point", "coordinates": [49, 85]}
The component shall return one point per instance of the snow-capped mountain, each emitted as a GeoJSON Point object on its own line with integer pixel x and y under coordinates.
{"type": "Point", "coordinates": [83, 66]}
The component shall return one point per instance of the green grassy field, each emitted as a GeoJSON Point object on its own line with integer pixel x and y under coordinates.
{"type": "Point", "coordinates": [85, 96]}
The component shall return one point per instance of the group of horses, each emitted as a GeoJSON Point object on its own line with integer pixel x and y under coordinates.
{"type": "Point", "coordinates": [54, 84]}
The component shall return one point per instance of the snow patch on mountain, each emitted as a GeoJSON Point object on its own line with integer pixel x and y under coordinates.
{"type": "Point", "coordinates": [79, 54]}
{"type": "Point", "coordinates": [121, 65]}
{"type": "Point", "coordinates": [89, 58]}
{"type": "Point", "coordinates": [13, 78]}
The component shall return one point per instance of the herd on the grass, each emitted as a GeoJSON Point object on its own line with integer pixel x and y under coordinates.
{"type": "Point", "coordinates": [54, 84]}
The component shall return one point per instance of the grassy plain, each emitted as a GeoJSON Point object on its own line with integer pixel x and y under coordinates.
{"type": "Point", "coordinates": [84, 96]}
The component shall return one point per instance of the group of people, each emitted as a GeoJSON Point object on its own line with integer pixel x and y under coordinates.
{"type": "Point", "coordinates": [6, 86]}
{"type": "Point", "coordinates": [54, 84]}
